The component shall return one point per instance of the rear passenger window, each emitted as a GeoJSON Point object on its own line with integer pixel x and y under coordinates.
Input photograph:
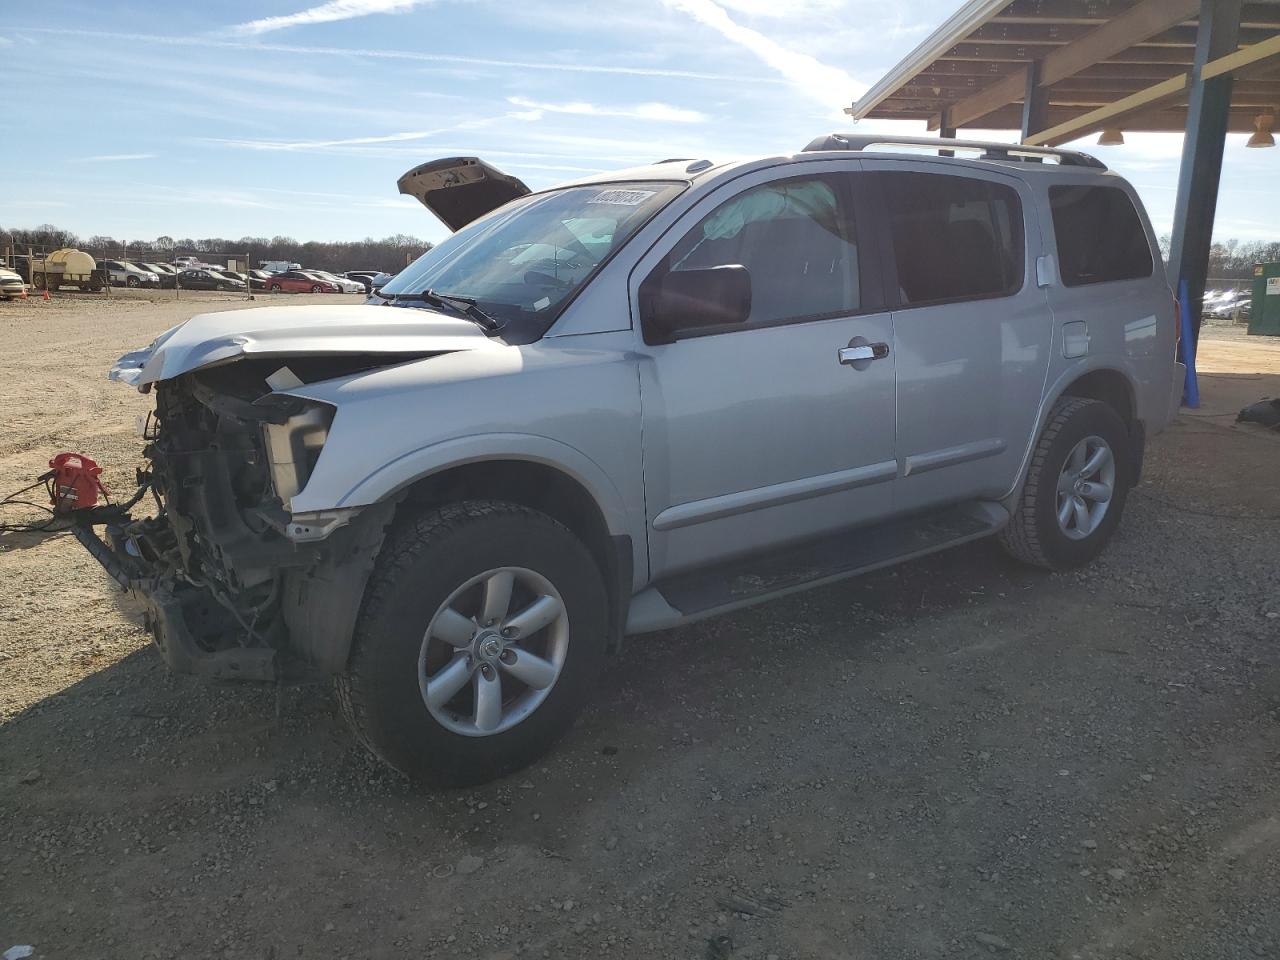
{"type": "Point", "coordinates": [954, 238]}
{"type": "Point", "coordinates": [794, 236]}
{"type": "Point", "coordinates": [1099, 235]}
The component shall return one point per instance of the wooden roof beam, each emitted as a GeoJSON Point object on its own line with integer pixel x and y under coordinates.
{"type": "Point", "coordinates": [1114, 114]}
{"type": "Point", "coordinates": [1143, 20]}
{"type": "Point", "coordinates": [1240, 63]}
{"type": "Point", "coordinates": [1015, 53]}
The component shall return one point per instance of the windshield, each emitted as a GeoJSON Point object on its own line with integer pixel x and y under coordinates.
{"type": "Point", "coordinates": [525, 260]}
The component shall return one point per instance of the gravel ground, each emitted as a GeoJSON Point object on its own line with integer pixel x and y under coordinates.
{"type": "Point", "coordinates": [958, 758]}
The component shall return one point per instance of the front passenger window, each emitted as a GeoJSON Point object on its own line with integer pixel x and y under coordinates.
{"type": "Point", "coordinates": [796, 239]}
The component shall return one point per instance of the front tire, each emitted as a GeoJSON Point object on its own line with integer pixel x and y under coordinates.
{"type": "Point", "coordinates": [275, 288]}
{"type": "Point", "coordinates": [316, 288]}
{"type": "Point", "coordinates": [1080, 475]}
{"type": "Point", "coordinates": [480, 639]}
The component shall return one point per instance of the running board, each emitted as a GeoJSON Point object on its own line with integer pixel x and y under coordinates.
{"type": "Point", "coordinates": [753, 579]}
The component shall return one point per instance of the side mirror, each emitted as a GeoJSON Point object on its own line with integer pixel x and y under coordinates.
{"type": "Point", "coordinates": [680, 300]}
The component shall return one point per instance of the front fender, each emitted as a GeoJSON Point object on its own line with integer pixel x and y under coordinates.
{"type": "Point", "coordinates": [459, 451]}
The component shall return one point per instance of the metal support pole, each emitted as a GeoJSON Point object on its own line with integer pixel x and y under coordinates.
{"type": "Point", "coordinates": [1208, 113]}
{"type": "Point", "coordinates": [1035, 103]}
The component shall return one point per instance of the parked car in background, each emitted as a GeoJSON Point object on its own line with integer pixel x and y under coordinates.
{"type": "Point", "coordinates": [1219, 303]}
{"type": "Point", "coordinates": [258, 279]}
{"type": "Point", "coordinates": [363, 277]}
{"type": "Point", "coordinates": [1230, 305]}
{"type": "Point", "coordinates": [167, 277]}
{"type": "Point", "coordinates": [208, 280]}
{"type": "Point", "coordinates": [344, 284]}
{"type": "Point", "coordinates": [125, 273]}
{"type": "Point", "coordinates": [11, 284]}
{"type": "Point", "coordinates": [298, 281]}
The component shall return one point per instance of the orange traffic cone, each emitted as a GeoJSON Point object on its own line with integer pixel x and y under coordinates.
{"type": "Point", "coordinates": [46, 293]}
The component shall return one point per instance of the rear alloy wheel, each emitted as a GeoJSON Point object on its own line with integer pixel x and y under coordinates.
{"type": "Point", "coordinates": [480, 639]}
{"type": "Point", "coordinates": [316, 288]}
{"type": "Point", "coordinates": [1076, 487]}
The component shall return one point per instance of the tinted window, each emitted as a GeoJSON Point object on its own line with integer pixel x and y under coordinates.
{"type": "Point", "coordinates": [1099, 235]}
{"type": "Point", "coordinates": [954, 238]}
{"type": "Point", "coordinates": [796, 239]}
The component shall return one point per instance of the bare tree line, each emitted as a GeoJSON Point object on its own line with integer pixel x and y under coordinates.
{"type": "Point", "coordinates": [1227, 258]}
{"type": "Point", "coordinates": [389, 254]}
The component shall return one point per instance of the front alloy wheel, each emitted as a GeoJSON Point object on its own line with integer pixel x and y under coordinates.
{"type": "Point", "coordinates": [482, 673]}
{"type": "Point", "coordinates": [480, 638]}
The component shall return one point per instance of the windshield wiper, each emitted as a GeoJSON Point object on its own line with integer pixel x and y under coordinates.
{"type": "Point", "coordinates": [464, 305]}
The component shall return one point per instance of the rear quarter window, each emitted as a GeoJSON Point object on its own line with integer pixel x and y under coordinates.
{"type": "Point", "coordinates": [1099, 236]}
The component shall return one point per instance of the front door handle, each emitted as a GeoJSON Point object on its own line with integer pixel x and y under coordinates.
{"type": "Point", "coordinates": [861, 352]}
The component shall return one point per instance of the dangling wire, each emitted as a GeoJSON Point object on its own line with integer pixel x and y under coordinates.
{"type": "Point", "coordinates": [43, 526]}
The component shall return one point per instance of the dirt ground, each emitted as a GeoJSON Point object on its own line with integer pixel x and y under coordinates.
{"type": "Point", "coordinates": [956, 758]}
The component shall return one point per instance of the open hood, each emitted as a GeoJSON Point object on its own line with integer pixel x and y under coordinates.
{"type": "Point", "coordinates": [460, 189]}
{"type": "Point", "coordinates": [214, 338]}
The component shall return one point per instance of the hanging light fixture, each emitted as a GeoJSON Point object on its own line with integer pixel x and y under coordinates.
{"type": "Point", "coordinates": [1111, 137]}
{"type": "Point", "coordinates": [1262, 131]}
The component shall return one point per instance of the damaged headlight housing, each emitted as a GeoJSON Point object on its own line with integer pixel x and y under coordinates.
{"type": "Point", "coordinates": [294, 446]}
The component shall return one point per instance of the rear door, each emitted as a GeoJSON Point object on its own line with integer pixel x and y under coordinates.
{"type": "Point", "coordinates": [972, 329]}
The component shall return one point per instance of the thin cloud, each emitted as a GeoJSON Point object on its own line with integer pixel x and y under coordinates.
{"type": "Point", "coordinates": [5, 42]}
{"type": "Point", "coordinates": [113, 157]}
{"type": "Point", "coordinates": [821, 82]}
{"type": "Point", "coordinates": [526, 116]}
{"type": "Point", "coordinates": [779, 9]}
{"type": "Point", "coordinates": [329, 12]}
{"type": "Point", "coordinates": [642, 111]}
{"type": "Point", "coordinates": [213, 43]}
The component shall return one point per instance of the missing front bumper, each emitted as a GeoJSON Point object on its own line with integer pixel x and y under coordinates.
{"type": "Point", "coordinates": [307, 632]}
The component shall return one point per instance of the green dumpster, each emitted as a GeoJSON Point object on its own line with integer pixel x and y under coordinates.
{"type": "Point", "coordinates": [1264, 317]}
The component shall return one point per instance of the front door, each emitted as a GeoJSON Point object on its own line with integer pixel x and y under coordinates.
{"type": "Point", "coordinates": [763, 433]}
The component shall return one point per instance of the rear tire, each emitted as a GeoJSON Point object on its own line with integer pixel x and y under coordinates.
{"type": "Point", "coordinates": [316, 288]}
{"type": "Point", "coordinates": [435, 572]}
{"type": "Point", "coordinates": [1091, 498]}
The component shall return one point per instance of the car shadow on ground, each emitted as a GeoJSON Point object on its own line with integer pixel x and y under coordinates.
{"type": "Point", "coordinates": [138, 699]}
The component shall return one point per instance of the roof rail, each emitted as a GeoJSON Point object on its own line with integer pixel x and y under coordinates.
{"type": "Point", "coordinates": [989, 150]}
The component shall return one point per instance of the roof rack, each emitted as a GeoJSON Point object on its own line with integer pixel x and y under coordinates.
{"type": "Point", "coordinates": [1016, 152]}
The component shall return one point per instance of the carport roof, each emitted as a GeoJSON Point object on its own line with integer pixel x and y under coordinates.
{"type": "Point", "coordinates": [1100, 63]}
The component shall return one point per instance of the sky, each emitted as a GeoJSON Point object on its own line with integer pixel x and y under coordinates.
{"type": "Point", "coordinates": [296, 117]}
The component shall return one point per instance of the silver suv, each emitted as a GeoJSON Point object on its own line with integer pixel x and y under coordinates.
{"type": "Point", "coordinates": [634, 401]}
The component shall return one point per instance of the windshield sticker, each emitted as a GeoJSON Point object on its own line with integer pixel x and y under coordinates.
{"type": "Point", "coordinates": [626, 198]}
{"type": "Point", "coordinates": [540, 304]}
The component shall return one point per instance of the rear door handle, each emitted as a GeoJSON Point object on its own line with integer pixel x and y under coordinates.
{"type": "Point", "coordinates": [865, 351]}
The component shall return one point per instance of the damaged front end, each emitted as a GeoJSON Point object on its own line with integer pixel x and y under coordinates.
{"type": "Point", "coordinates": [235, 585]}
